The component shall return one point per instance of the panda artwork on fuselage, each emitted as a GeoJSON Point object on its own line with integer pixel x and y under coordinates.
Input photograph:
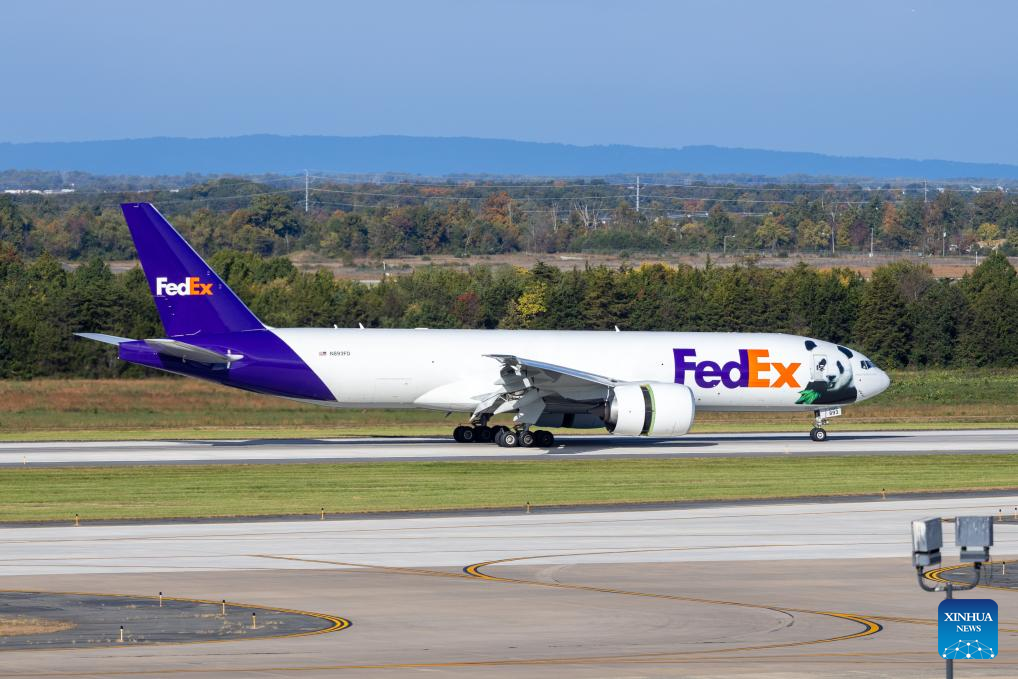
{"type": "Point", "coordinates": [831, 378]}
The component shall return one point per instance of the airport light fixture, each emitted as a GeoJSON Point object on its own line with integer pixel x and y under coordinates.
{"type": "Point", "coordinates": [927, 539]}
{"type": "Point", "coordinates": [973, 534]}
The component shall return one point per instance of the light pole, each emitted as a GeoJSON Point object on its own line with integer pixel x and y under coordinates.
{"type": "Point", "coordinates": [974, 534]}
{"type": "Point", "coordinates": [834, 224]}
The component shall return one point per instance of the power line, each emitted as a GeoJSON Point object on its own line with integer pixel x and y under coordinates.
{"type": "Point", "coordinates": [457, 198]}
{"type": "Point", "coordinates": [556, 184]}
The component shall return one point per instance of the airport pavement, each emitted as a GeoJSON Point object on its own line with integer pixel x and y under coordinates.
{"type": "Point", "coordinates": [249, 451]}
{"type": "Point", "coordinates": [780, 591]}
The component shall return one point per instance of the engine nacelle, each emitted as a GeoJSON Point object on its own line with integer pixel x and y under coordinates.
{"type": "Point", "coordinates": [651, 409]}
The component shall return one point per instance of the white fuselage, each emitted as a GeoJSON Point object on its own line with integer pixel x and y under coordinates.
{"type": "Point", "coordinates": [451, 369]}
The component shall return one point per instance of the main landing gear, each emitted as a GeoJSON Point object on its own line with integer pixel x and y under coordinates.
{"type": "Point", "coordinates": [820, 417]}
{"type": "Point", "coordinates": [504, 436]}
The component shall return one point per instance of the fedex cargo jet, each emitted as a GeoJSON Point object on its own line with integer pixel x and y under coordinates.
{"type": "Point", "coordinates": [632, 383]}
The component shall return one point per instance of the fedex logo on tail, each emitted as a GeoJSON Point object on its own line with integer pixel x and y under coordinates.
{"type": "Point", "coordinates": [191, 285]}
{"type": "Point", "coordinates": [753, 369]}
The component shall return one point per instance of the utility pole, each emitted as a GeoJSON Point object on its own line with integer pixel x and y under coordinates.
{"type": "Point", "coordinates": [306, 184]}
{"type": "Point", "coordinates": [834, 221]}
{"type": "Point", "coordinates": [637, 193]}
{"type": "Point", "coordinates": [871, 240]}
{"type": "Point", "coordinates": [925, 190]}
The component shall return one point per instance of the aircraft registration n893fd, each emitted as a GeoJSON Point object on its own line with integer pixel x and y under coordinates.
{"type": "Point", "coordinates": [632, 383]}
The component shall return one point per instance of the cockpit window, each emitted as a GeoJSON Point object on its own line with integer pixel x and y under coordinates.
{"type": "Point", "coordinates": [866, 365]}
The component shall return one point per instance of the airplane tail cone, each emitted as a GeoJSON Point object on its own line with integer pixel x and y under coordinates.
{"type": "Point", "coordinates": [189, 295]}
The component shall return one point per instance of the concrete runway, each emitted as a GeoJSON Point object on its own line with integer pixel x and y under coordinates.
{"type": "Point", "coordinates": [407, 449]}
{"type": "Point", "coordinates": [751, 590]}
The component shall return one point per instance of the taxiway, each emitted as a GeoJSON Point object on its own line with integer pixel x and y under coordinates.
{"type": "Point", "coordinates": [777, 590]}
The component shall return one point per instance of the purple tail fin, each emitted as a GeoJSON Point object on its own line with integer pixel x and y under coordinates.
{"type": "Point", "coordinates": [190, 297]}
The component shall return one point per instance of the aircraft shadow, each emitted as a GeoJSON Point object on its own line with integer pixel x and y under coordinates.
{"type": "Point", "coordinates": [574, 444]}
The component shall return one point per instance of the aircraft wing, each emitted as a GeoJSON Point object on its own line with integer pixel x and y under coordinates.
{"type": "Point", "coordinates": [531, 387]}
{"type": "Point", "coordinates": [548, 375]}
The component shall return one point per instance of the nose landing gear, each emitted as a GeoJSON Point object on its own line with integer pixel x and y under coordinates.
{"type": "Point", "coordinates": [820, 417]}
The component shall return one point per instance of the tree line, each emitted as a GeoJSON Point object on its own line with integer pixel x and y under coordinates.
{"type": "Point", "coordinates": [374, 221]}
{"type": "Point", "coordinates": [901, 316]}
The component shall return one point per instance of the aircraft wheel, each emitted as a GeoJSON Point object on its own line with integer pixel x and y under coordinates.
{"type": "Point", "coordinates": [508, 439]}
{"type": "Point", "coordinates": [545, 439]}
{"type": "Point", "coordinates": [527, 439]}
{"type": "Point", "coordinates": [463, 434]}
{"type": "Point", "coordinates": [483, 434]}
{"type": "Point", "coordinates": [818, 434]}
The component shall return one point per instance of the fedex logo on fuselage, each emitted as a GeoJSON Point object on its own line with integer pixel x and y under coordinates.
{"type": "Point", "coordinates": [753, 369]}
{"type": "Point", "coordinates": [192, 285]}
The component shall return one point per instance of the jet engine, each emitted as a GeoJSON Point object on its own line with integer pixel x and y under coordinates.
{"type": "Point", "coordinates": [651, 409]}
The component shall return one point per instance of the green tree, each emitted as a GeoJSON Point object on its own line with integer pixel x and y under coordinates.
{"type": "Point", "coordinates": [14, 227]}
{"type": "Point", "coordinates": [772, 233]}
{"type": "Point", "coordinates": [813, 235]}
{"type": "Point", "coordinates": [882, 329]}
{"type": "Point", "coordinates": [990, 329]}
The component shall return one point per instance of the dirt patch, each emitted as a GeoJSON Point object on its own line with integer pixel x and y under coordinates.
{"type": "Point", "coordinates": [14, 627]}
{"type": "Point", "coordinates": [369, 270]}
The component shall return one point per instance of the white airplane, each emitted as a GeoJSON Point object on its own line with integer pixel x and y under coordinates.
{"type": "Point", "coordinates": [631, 383]}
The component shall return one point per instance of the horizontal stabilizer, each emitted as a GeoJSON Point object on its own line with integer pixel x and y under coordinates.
{"type": "Point", "coordinates": [190, 352]}
{"type": "Point", "coordinates": [107, 339]}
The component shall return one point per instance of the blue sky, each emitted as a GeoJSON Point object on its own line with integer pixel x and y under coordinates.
{"type": "Point", "coordinates": [903, 79]}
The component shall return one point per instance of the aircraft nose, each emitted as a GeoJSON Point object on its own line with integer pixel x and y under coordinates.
{"type": "Point", "coordinates": [883, 381]}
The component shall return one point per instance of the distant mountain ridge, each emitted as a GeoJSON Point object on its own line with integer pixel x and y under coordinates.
{"type": "Point", "coordinates": [439, 156]}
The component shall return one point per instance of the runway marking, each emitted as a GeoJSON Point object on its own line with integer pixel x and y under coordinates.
{"type": "Point", "coordinates": [936, 576]}
{"type": "Point", "coordinates": [364, 566]}
{"type": "Point", "coordinates": [869, 627]}
{"type": "Point", "coordinates": [338, 623]}
{"type": "Point", "coordinates": [473, 572]}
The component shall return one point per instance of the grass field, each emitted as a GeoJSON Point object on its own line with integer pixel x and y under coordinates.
{"type": "Point", "coordinates": [178, 408]}
{"type": "Point", "coordinates": [55, 494]}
